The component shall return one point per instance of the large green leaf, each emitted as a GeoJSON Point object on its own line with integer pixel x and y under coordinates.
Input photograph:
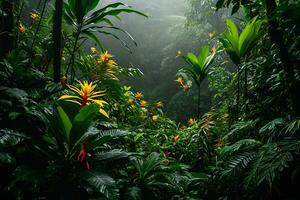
{"type": "Point", "coordinates": [65, 122]}
{"type": "Point", "coordinates": [82, 122]}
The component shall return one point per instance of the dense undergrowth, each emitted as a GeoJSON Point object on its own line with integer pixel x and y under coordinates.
{"type": "Point", "coordinates": [71, 130]}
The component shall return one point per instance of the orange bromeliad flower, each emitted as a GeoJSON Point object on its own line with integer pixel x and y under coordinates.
{"type": "Point", "coordinates": [138, 95]}
{"type": "Point", "coordinates": [105, 57]}
{"type": "Point", "coordinates": [185, 88]}
{"type": "Point", "coordinates": [85, 95]}
{"type": "Point", "coordinates": [144, 103]}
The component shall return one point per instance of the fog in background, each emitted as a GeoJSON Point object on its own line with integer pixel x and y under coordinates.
{"type": "Point", "coordinates": [159, 37]}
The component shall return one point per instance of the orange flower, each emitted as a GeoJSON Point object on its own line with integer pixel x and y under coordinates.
{"type": "Point", "coordinates": [180, 81]}
{"type": "Point", "coordinates": [191, 121]}
{"type": "Point", "coordinates": [130, 100]}
{"type": "Point", "coordinates": [159, 104]}
{"type": "Point", "coordinates": [185, 88]}
{"type": "Point", "coordinates": [34, 16]}
{"type": "Point", "coordinates": [22, 28]}
{"type": "Point", "coordinates": [138, 95]}
{"type": "Point", "coordinates": [105, 57]}
{"type": "Point", "coordinates": [144, 103]}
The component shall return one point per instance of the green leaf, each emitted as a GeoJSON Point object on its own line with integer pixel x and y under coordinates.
{"type": "Point", "coordinates": [82, 122]}
{"type": "Point", "coordinates": [111, 155]}
{"type": "Point", "coordinates": [65, 122]}
{"type": "Point", "coordinates": [203, 55]}
{"type": "Point", "coordinates": [6, 158]}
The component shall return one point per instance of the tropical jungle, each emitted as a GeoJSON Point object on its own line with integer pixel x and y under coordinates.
{"type": "Point", "coordinates": [149, 99]}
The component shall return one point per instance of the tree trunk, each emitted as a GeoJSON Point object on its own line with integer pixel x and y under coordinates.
{"type": "Point", "coordinates": [57, 47]}
{"type": "Point", "coordinates": [277, 37]}
{"type": "Point", "coordinates": [6, 28]}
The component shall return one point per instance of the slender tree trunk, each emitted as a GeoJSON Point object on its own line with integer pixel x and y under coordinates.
{"type": "Point", "coordinates": [238, 93]}
{"type": "Point", "coordinates": [277, 37]}
{"type": "Point", "coordinates": [6, 27]}
{"type": "Point", "coordinates": [57, 47]}
{"type": "Point", "coordinates": [198, 103]}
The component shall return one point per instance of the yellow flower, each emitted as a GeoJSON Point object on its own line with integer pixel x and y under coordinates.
{"type": "Point", "coordinates": [144, 103]}
{"type": "Point", "coordinates": [211, 35]}
{"type": "Point", "coordinates": [105, 57]}
{"type": "Point", "coordinates": [176, 138]}
{"type": "Point", "coordinates": [191, 121]}
{"type": "Point", "coordinates": [34, 16]}
{"type": "Point", "coordinates": [93, 50]}
{"type": "Point", "coordinates": [130, 100]}
{"type": "Point", "coordinates": [22, 28]}
{"type": "Point", "coordinates": [138, 95]}
{"type": "Point", "coordinates": [155, 117]}
{"type": "Point", "coordinates": [214, 49]}
{"type": "Point", "coordinates": [180, 81]}
{"type": "Point", "coordinates": [85, 95]}
{"type": "Point", "coordinates": [178, 54]}
{"type": "Point", "coordinates": [159, 104]}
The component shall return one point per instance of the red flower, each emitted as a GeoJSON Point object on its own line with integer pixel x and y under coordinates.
{"type": "Point", "coordinates": [83, 155]}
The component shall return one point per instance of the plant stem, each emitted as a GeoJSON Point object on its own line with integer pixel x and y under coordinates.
{"type": "Point", "coordinates": [72, 59]}
{"type": "Point", "coordinates": [238, 93]}
{"type": "Point", "coordinates": [39, 25]}
{"type": "Point", "coordinates": [198, 104]}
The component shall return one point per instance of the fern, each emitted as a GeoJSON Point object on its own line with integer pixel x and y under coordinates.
{"type": "Point", "coordinates": [102, 183]}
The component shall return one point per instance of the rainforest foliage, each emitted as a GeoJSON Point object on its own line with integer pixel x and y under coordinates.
{"type": "Point", "coordinates": [70, 128]}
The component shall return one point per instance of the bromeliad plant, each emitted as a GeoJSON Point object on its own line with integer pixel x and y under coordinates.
{"type": "Point", "coordinates": [197, 69]}
{"type": "Point", "coordinates": [87, 19]}
{"type": "Point", "coordinates": [86, 95]}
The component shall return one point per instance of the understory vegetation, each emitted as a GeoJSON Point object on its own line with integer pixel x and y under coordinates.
{"type": "Point", "coordinates": [70, 128]}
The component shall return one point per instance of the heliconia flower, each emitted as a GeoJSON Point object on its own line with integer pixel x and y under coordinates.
{"type": "Point", "coordinates": [34, 16]}
{"type": "Point", "coordinates": [93, 50]}
{"type": "Point", "coordinates": [85, 95]}
{"type": "Point", "coordinates": [83, 155]}
{"type": "Point", "coordinates": [144, 103]}
{"type": "Point", "coordinates": [105, 57]}
{"type": "Point", "coordinates": [155, 117]}
{"type": "Point", "coordinates": [138, 95]}
{"type": "Point", "coordinates": [191, 121]}
{"type": "Point", "coordinates": [211, 35]}
{"type": "Point", "coordinates": [159, 104]}
{"type": "Point", "coordinates": [22, 28]}
{"type": "Point", "coordinates": [176, 138]}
